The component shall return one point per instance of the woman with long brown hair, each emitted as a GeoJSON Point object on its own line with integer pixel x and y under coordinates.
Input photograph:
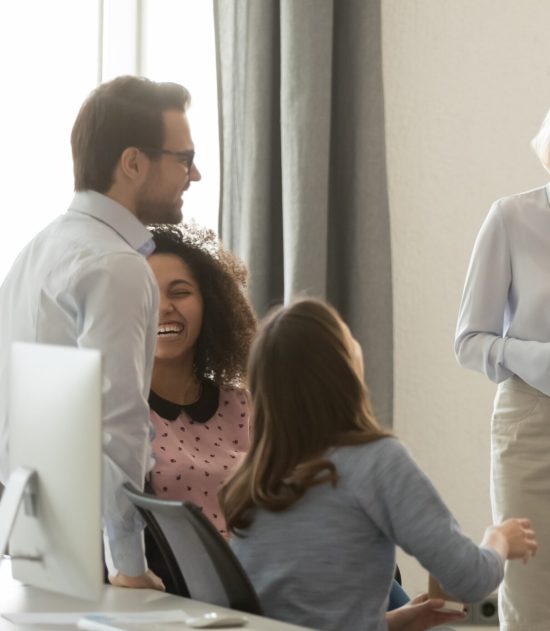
{"type": "Point", "coordinates": [324, 494]}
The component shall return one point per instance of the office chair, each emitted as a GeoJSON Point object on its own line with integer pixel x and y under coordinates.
{"type": "Point", "coordinates": [200, 562]}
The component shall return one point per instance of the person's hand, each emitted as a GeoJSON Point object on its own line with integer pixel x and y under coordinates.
{"type": "Point", "coordinates": [513, 539]}
{"type": "Point", "coordinates": [419, 614]}
{"type": "Point", "coordinates": [149, 580]}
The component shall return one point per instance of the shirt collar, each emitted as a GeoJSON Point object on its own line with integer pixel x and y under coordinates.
{"type": "Point", "coordinates": [117, 217]}
{"type": "Point", "coordinates": [200, 412]}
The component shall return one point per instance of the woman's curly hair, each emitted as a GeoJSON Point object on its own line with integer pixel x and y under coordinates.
{"type": "Point", "coordinates": [229, 322]}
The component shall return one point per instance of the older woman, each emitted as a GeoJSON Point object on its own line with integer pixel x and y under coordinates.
{"type": "Point", "coordinates": [504, 331]}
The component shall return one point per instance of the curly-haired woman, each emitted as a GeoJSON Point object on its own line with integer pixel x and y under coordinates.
{"type": "Point", "coordinates": [199, 409]}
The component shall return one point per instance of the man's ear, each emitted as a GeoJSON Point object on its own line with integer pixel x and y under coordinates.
{"type": "Point", "coordinates": [133, 163]}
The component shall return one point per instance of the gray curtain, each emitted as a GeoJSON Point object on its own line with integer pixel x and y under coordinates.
{"type": "Point", "coordinates": [303, 182]}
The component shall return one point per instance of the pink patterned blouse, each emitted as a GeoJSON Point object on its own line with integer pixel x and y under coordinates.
{"type": "Point", "coordinates": [196, 447]}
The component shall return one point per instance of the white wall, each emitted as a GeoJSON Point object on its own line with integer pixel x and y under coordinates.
{"type": "Point", "coordinates": [467, 83]}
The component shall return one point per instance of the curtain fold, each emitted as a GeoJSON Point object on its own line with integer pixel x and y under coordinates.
{"type": "Point", "coordinates": [303, 182]}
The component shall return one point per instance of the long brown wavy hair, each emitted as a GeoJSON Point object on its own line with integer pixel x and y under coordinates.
{"type": "Point", "coordinates": [308, 396]}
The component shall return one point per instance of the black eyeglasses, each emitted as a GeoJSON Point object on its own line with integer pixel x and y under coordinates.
{"type": "Point", "coordinates": [183, 157]}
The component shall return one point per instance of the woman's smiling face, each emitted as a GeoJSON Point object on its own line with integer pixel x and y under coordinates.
{"type": "Point", "coordinates": [181, 307]}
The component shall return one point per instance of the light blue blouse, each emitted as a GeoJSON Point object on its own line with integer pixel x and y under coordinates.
{"type": "Point", "coordinates": [504, 321]}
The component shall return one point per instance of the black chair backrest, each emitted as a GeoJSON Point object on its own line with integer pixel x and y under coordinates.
{"type": "Point", "coordinates": [198, 556]}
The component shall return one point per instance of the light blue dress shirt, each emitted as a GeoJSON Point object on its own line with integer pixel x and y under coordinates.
{"type": "Point", "coordinates": [504, 321]}
{"type": "Point", "coordinates": [84, 281]}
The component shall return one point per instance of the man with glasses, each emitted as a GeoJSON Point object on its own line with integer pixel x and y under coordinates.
{"type": "Point", "coordinates": [84, 281]}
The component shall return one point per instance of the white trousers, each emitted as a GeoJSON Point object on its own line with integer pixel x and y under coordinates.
{"type": "Point", "coordinates": [520, 487]}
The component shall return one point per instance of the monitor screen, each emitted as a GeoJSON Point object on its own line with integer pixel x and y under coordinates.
{"type": "Point", "coordinates": [55, 430]}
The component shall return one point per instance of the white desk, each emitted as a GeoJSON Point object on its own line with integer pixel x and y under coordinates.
{"type": "Point", "coordinates": [17, 598]}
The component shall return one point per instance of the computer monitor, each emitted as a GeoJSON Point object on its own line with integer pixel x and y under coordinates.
{"type": "Point", "coordinates": [51, 506]}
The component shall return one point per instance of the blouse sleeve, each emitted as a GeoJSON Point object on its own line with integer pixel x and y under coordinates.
{"type": "Point", "coordinates": [479, 342]}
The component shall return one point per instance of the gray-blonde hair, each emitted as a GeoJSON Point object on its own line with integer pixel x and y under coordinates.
{"type": "Point", "coordinates": [541, 142]}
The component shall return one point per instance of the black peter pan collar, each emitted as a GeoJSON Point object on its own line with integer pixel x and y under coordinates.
{"type": "Point", "coordinates": [200, 412]}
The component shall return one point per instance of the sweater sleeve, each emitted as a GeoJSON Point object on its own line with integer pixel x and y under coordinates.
{"type": "Point", "coordinates": [405, 506]}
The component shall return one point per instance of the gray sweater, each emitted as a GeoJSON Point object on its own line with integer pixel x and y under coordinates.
{"type": "Point", "coordinates": [327, 562]}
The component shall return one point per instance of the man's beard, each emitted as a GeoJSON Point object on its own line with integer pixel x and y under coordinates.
{"type": "Point", "coordinates": [150, 210]}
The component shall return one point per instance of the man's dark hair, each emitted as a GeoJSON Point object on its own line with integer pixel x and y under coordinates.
{"type": "Point", "coordinates": [125, 112]}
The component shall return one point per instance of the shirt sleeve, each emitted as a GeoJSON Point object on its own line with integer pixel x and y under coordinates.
{"type": "Point", "coordinates": [479, 342]}
{"type": "Point", "coordinates": [405, 506]}
{"type": "Point", "coordinates": [117, 310]}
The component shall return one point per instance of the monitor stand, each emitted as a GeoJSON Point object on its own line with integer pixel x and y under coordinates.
{"type": "Point", "coordinates": [20, 488]}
